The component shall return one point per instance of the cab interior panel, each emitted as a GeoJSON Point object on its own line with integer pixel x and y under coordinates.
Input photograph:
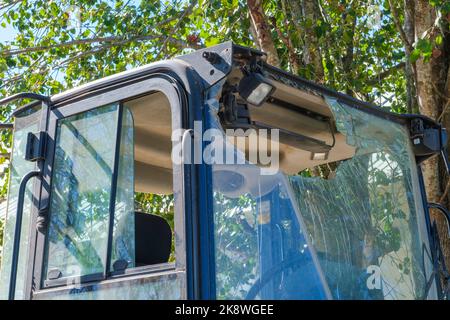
{"type": "Point", "coordinates": [152, 143]}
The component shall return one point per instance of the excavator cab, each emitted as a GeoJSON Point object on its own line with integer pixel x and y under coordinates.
{"type": "Point", "coordinates": [217, 176]}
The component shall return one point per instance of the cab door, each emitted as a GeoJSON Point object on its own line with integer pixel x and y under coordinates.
{"type": "Point", "coordinates": [111, 223]}
{"type": "Point", "coordinates": [23, 197]}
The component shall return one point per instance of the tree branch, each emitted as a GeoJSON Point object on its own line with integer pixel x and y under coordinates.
{"type": "Point", "coordinates": [182, 16]}
{"type": "Point", "coordinates": [264, 36]}
{"type": "Point", "coordinates": [396, 18]}
{"type": "Point", "coordinates": [94, 50]}
{"type": "Point", "coordinates": [6, 5]}
{"type": "Point", "coordinates": [13, 52]}
{"type": "Point", "coordinates": [114, 40]}
{"type": "Point", "coordinates": [118, 39]}
{"type": "Point", "coordinates": [293, 59]}
{"type": "Point", "coordinates": [384, 74]}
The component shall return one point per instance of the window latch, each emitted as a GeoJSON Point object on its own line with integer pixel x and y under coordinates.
{"type": "Point", "coordinates": [35, 149]}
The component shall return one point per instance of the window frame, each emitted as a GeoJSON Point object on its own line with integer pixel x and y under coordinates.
{"type": "Point", "coordinates": [176, 96]}
{"type": "Point", "coordinates": [118, 112]}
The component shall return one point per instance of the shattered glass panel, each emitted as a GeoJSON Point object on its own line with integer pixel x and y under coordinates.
{"type": "Point", "coordinates": [358, 233]}
{"type": "Point", "coordinates": [365, 220]}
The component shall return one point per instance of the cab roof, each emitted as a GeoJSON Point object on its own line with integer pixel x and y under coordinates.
{"type": "Point", "coordinates": [215, 63]}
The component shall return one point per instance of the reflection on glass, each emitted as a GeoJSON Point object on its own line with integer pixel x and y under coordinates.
{"type": "Point", "coordinates": [81, 191]}
{"type": "Point", "coordinates": [361, 223]}
{"type": "Point", "coordinates": [261, 250]}
{"type": "Point", "coordinates": [19, 168]}
{"type": "Point", "coordinates": [123, 245]}
{"type": "Point", "coordinates": [364, 222]}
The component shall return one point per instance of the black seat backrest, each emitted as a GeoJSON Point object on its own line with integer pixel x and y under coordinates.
{"type": "Point", "coordinates": [153, 239]}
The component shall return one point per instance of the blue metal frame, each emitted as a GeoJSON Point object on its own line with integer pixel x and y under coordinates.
{"type": "Point", "coordinates": [206, 230]}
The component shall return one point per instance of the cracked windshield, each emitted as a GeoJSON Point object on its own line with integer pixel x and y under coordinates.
{"type": "Point", "coordinates": [346, 229]}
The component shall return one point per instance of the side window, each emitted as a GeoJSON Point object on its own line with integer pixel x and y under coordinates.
{"type": "Point", "coordinates": [152, 186]}
{"type": "Point", "coordinates": [81, 191]}
{"type": "Point", "coordinates": [89, 179]}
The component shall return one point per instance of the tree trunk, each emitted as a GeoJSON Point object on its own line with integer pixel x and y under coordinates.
{"type": "Point", "coordinates": [430, 76]}
{"type": "Point", "coordinates": [254, 36]}
{"type": "Point", "coordinates": [424, 19]}
{"type": "Point", "coordinates": [263, 33]}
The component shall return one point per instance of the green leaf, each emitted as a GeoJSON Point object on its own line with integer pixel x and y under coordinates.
{"type": "Point", "coordinates": [424, 46]}
{"type": "Point", "coordinates": [54, 9]}
{"type": "Point", "coordinates": [415, 55]}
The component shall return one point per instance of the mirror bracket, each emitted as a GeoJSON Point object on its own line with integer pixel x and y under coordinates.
{"type": "Point", "coordinates": [428, 139]}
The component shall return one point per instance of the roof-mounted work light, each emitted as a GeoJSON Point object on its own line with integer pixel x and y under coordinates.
{"type": "Point", "coordinates": [255, 89]}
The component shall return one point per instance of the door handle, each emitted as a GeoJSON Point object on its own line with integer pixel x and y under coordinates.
{"type": "Point", "coordinates": [18, 230]}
